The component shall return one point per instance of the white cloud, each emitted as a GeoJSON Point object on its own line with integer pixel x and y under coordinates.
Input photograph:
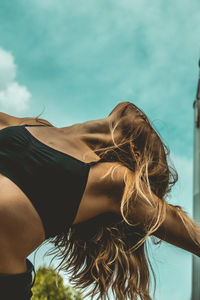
{"type": "Point", "coordinates": [7, 68]}
{"type": "Point", "coordinates": [13, 96]}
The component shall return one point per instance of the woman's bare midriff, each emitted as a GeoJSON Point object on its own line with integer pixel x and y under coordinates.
{"type": "Point", "coordinates": [21, 227]}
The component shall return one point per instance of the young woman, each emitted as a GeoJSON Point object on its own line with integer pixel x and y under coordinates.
{"type": "Point", "coordinates": [96, 190]}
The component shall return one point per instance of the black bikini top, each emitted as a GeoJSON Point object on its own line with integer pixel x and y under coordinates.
{"type": "Point", "coordinates": [52, 180]}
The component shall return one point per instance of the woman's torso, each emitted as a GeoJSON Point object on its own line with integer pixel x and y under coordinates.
{"type": "Point", "coordinates": [97, 196]}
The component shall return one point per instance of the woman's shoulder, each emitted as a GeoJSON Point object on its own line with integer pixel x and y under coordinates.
{"type": "Point", "coordinates": [103, 192]}
{"type": "Point", "coordinates": [112, 177]}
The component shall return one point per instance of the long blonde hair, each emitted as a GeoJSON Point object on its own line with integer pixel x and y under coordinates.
{"type": "Point", "coordinates": [109, 251]}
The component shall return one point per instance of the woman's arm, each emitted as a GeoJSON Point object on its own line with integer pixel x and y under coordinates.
{"type": "Point", "coordinates": [172, 230]}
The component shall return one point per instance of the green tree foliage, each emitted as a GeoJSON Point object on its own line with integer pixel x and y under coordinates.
{"type": "Point", "coordinates": [45, 287]}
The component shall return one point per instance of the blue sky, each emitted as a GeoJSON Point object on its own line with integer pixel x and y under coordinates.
{"type": "Point", "coordinates": [77, 59]}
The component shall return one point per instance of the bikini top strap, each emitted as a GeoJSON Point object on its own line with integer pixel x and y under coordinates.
{"type": "Point", "coordinates": [95, 162]}
{"type": "Point", "coordinates": [92, 163]}
{"type": "Point", "coordinates": [31, 125]}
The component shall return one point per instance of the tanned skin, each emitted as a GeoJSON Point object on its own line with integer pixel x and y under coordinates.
{"type": "Point", "coordinates": [21, 229]}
